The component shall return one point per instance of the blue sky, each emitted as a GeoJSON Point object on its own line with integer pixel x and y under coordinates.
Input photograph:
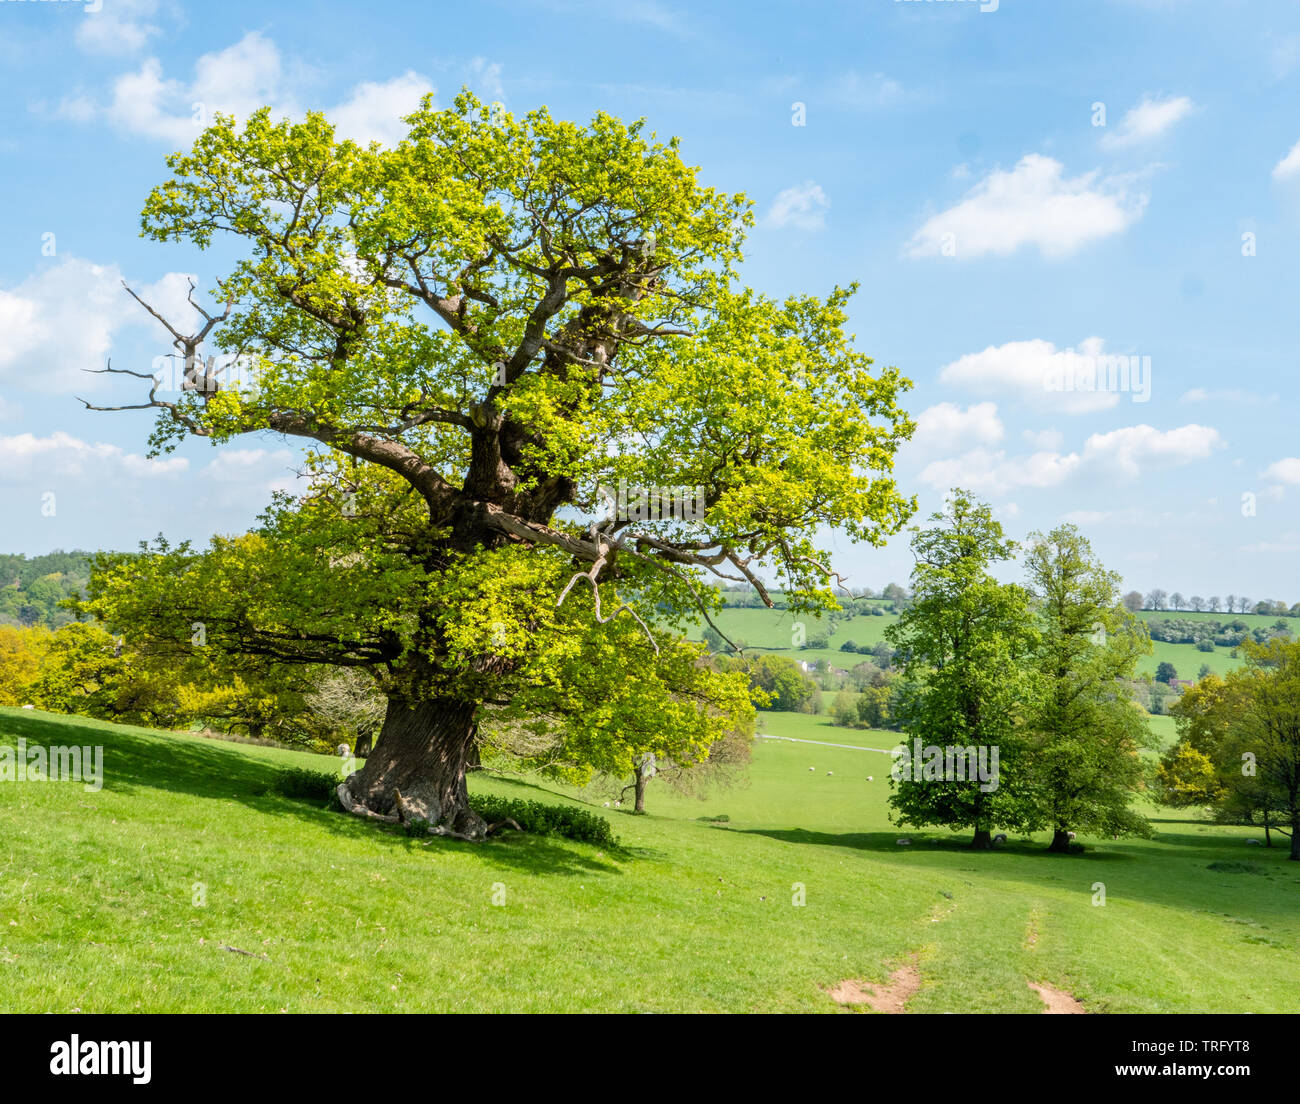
{"type": "Point", "coordinates": [950, 160]}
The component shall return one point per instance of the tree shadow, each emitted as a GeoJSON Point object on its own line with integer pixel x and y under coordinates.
{"type": "Point", "coordinates": [1111, 857]}
{"type": "Point", "coordinates": [142, 759]}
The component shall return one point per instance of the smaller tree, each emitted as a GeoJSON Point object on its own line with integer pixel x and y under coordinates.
{"type": "Point", "coordinates": [1176, 601]}
{"type": "Point", "coordinates": [1085, 729]}
{"type": "Point", "coordinates": [1212, 603]}
{"type": "Point", "coordinates": [1133, 601]}
{"type": "Point", "coordinates": [1196, 603]}
{"type": "Point", "coordinates": [844, 709]}
{"type": "Point", "coordinates": [1156, 599]}
{"type": "Point", "coordinates": [966, 638]}
{"type": "Point", "coordinates": [1165, 672]}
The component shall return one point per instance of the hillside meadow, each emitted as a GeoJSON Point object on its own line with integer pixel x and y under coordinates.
{"type": "Point", "coordinates": [186, 885]}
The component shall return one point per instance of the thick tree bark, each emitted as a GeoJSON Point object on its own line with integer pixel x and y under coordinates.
{"type": "Point", "coordinates": [364, 744]}
{"type": "Point", "coordinates": [1060, 841]}
{"type": "Point", "coordinates": [423, 753]}
{"type": "Point", "coordinates": [983, 840]}
{"type": "Point", "coordinates": [641, 779]}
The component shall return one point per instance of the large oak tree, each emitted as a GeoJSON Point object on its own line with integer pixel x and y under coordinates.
{"type": "Point", "coordinates": [473, 333]}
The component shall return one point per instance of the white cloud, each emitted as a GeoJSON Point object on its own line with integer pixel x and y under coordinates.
{"type": "Point", "coordinates": [237, 80]}
{"type": "Point", "coordinates": [25, 457]}
{"type": "Point", "coordinates": [1131, 447]}
{"type": "Point", "coordinates": [234, 81]}
{"type": "Point", "coordinates": [804, 207]}
{"type": "Point", "coordinates": [64, 318]}
{"type": "Point", "coordinates": [1149, 120]}
{"type": "Point", "coordinates": [374, 111]}
{"type": "Point", "coordinates": [1126, 452]}
{"type": "Point", "coordinates": [1032, 205]}
{"type": "Point", "coordinates": [1286, 470]}
{"type": "Point", "coordinates": [947, 427]}
{"type": "Point", "coordinates": [119, 27]}
{"type": "Point", "coordinates": [1289, 167]}
{"type": "Point", "coordinates": [987, 471]}
{"type": "Point", "coordinates": [1037, 372]}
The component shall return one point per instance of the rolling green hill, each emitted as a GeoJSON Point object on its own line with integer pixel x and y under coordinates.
{"type": "Point", "coordinates": [185, 885]}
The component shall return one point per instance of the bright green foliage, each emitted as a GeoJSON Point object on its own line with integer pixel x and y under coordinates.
{"type": "Point", "coordinates": [1248, 726]}
{"type": "Point", "coordinates": [1085, 729]}
{"type": "Point", "coordinates": [1187, 778]}
{"type": "Point", "coordinates": [965, 641]}
{"type": "Point", "coordinates": [475, 332]}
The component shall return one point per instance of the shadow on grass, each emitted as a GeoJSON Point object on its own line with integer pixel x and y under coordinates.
{"type": "Point", "coordinates": [1176, 880]}
{"type": "Point", "coordinates": [887, 842]}
{"type": "Point", "coordinates": [136, 759]}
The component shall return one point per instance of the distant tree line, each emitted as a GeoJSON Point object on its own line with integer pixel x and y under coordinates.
{"type": "Point", "coordinates": [1158, 600]}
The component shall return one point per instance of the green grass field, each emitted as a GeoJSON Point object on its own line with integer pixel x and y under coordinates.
{"type": "Point", "coordinates": [128, 898]}
{"type": "Point", "coordinates": [772, 631]}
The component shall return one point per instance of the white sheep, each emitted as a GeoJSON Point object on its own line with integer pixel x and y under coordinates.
{"type": "Point", "coordinates": [343, 750]}
{"type": "Point", "coordinates": [1254, 843]}
{"type": "Point", "coordinates": [829, 773]}
{"type": "Point", "coordinates": [871, 778]}
{"type": "Point", "coordinates": [1001, 837]}
{"type": "Point", "coordinates": [904, 842]}
{"type": "Point", "coordinates": [812, 768]}
{"type": "Point", "coordinates": [1069, 835]}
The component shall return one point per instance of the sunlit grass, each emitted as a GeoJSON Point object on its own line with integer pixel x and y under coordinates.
{"type": "Point", "coordinates": [126, 899]}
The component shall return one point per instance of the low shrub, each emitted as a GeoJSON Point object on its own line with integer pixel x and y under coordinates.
{"type": "Point", "coordinates": [304, 783]}
{"type": "Point", "coordinates": [545, 820]}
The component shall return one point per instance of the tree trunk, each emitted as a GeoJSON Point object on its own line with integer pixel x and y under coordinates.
{"type": "Point", "coordinates": [423, 752]}
{"type": "Point", "coordinates": [641, 780]}
{"type": "Point", "coordinates": [1268, 836]}
{"type": "Point", "coordinates": [364, 743]}
{"type": "Point", "coordinates": [983, 840]}
{"type": "Point", "coordinates": [1295, 836]}
{"type": "Point", "coordinates": [1060, 841]}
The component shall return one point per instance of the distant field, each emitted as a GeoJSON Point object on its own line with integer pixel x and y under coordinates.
{"type": "Point", "coordinates": [773, 631]}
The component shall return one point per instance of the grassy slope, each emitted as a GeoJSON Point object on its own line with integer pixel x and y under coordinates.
{"type": "Point", "coordinates": [96, 907]}
{"type": "Point", "coordinates": [771, 630]}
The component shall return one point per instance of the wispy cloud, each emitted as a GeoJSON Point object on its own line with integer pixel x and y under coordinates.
{"type": "Point", "coordinates": [804, 207]}
{"type": "Point", "coordinates": [1149, 120]}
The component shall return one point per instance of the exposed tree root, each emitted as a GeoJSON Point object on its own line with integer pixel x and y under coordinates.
{"type": "Point", "coordinates": [403, 816]}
